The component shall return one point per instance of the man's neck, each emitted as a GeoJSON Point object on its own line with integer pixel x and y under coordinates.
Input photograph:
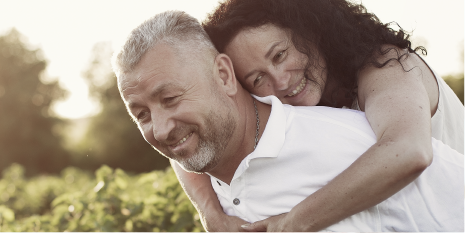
{"type": "Point", "coordinates": [243, 142]}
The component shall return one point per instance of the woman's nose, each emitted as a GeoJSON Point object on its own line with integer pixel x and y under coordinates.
{"type": "Point", "coordinates": [281, 80]}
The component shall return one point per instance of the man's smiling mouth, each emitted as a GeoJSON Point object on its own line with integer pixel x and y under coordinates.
{"type": "Point", "coordinates": [182, 140]}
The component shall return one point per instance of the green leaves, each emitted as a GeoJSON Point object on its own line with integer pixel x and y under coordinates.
{"type": "Point", "coordinates": [455, 82]}
{"type": "Point", "coordinates": [111, 201]}
{"type": "Point", "coordinates": [6, 214]}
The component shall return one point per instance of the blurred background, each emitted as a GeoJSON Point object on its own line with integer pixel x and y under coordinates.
{"type": "Point", "coordinates": [61, 115]}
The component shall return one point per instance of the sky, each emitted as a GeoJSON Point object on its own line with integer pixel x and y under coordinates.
{"type": "Point", "coordinates": [66, 31]}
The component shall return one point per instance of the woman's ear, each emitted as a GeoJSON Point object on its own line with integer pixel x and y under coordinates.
{"type": "Point", "coordinates": [225, 73]}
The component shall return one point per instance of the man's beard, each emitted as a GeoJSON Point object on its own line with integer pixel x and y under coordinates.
{"type": "Point", "coordinates": [211, 146]}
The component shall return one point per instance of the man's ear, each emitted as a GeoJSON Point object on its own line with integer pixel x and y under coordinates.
{"type": "Point", "coordinates": [225, 74]}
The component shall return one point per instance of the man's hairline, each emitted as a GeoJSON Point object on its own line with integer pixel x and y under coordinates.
{"type": "Point", "coordinates": [175, 44]}
{"type": "Point", "coordinates": [167, 42]}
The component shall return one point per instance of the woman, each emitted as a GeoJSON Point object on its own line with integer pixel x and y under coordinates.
{"type": "Point", "coordinates": [334, 53]}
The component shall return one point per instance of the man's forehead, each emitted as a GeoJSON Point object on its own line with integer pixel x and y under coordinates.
{"type": "Point", "coordinates": [126, 82]}
{"type": "Point", "coordinates": [158, 62]}
{"type": "Point", "coordinates": [149, 85]}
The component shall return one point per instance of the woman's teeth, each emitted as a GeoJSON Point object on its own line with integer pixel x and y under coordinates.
{"type": "Point", "coordinates": [299, 88]}
{"type": "Point", "coordinates": [183, 140]}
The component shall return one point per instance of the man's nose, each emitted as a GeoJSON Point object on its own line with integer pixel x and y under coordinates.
{"type": "Point", "coordinates": [162, 125]}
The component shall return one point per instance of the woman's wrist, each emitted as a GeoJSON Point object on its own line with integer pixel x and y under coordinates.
{"type": "Point", "coordinates": [300, 219]}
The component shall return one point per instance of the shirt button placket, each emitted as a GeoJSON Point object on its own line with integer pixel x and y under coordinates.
{"type": "Point", "coordinates": [238, 202]}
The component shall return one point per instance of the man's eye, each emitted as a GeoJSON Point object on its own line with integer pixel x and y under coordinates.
{"type": "Point", "coordinates": [141, 116]}
{"type": "Point", "coordinates": [170, 100]}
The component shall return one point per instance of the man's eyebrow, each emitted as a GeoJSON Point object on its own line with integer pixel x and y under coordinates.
{"type": "Point", "coordinates": [153, 94]}
{"type": "Point", "coordinates": [160, 89]}
{"type": "Point", "coordinates": [132, 105]}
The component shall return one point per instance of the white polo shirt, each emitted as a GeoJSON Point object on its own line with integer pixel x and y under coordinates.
{"type": "Point", "coordinates": [303, 148]}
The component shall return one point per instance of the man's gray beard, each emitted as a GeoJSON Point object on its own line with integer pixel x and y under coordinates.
{"type": "Point", "coordinates": [202, 158]}
{"type": "Point", "coordinates": [212, 144]}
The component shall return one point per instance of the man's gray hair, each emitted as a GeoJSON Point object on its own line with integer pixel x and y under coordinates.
{"type": "Point", "coordinates": [171, 27]}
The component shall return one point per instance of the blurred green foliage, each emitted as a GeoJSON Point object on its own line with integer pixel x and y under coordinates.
{"type": "Point", "coordinates": [112, 138]}
{"type": "Point", "coordinates": [112, 200]}
{"type": "Point", "coordinates": [455, 82]}
{"type": "Point", "coordinates": [28, 133]}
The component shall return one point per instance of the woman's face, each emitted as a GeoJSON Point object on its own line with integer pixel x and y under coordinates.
{"type": "Point", "coordinates": [267, 63]}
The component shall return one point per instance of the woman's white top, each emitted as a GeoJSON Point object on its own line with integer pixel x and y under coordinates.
{"type": "Point", "coordinates": [447, 122]}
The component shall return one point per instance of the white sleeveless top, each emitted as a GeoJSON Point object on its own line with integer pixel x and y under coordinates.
{"type": "Point", "coordinates": [447, 124]}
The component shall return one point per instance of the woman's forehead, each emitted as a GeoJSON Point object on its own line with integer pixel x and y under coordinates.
{"type": "Point", "coordinates": [266, 31]}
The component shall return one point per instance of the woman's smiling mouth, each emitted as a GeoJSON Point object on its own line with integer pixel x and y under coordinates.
{"type": "Point", "coordinates": [299, 88]}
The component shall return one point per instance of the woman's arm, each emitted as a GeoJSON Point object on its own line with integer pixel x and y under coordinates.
{"type": "Point", "coordinates": [398, 107]}
{"type": "Point", "coordinates": [199, 190]}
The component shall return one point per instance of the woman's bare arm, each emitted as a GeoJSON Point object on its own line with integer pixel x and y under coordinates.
{"type": "Point", "coordinates": [199, 190]}
{"type": "Point", "coordinates": [398, 107]}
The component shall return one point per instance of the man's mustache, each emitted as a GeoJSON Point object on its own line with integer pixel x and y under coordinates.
{"type": "Point", "coordinates": [177, 134]}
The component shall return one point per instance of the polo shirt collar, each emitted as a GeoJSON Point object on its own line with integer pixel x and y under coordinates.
{"type": "Point", "coordinates": [272, 139]}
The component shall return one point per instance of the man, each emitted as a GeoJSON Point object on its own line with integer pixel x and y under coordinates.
{"type": "Point", "coordinates": [188, 105]}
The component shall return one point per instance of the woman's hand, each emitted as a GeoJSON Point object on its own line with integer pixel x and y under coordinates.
{"type": "Point", "coordinates": [222, 223]}
{"type": "Point", "coordinates": [274, 224]}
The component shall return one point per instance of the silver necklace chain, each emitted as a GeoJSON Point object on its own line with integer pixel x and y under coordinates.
{"type": "Point", "coordinates": [258, 124]}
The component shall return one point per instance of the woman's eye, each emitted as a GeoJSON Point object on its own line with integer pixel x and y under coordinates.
{"type": "Point", "coordinates": [257, 80]}
{"type": "Point", "coordinates": [279, 55]}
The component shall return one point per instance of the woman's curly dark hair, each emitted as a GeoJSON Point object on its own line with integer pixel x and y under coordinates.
{"type": "Point", "coordinates": [347, 36]}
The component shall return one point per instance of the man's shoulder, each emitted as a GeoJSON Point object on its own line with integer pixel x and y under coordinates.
{"type": "Point", "coordinates": [349, 119]}
{"type": "Point", "coordinates": [305, 117]}
{"type": "Point", "coordinates": [348, 116]}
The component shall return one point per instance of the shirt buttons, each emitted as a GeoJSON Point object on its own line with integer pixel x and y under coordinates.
{"type": "Point", "coordinates": [236, 201]}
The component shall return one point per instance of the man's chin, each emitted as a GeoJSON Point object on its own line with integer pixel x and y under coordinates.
{"type": "Point", "coordinates": [195, 167]}
{"type": "Point", "coordinates": [189, 168]}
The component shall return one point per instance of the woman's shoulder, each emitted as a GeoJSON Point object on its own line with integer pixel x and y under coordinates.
{"type": "Point", "coordinates": [396, 67]}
